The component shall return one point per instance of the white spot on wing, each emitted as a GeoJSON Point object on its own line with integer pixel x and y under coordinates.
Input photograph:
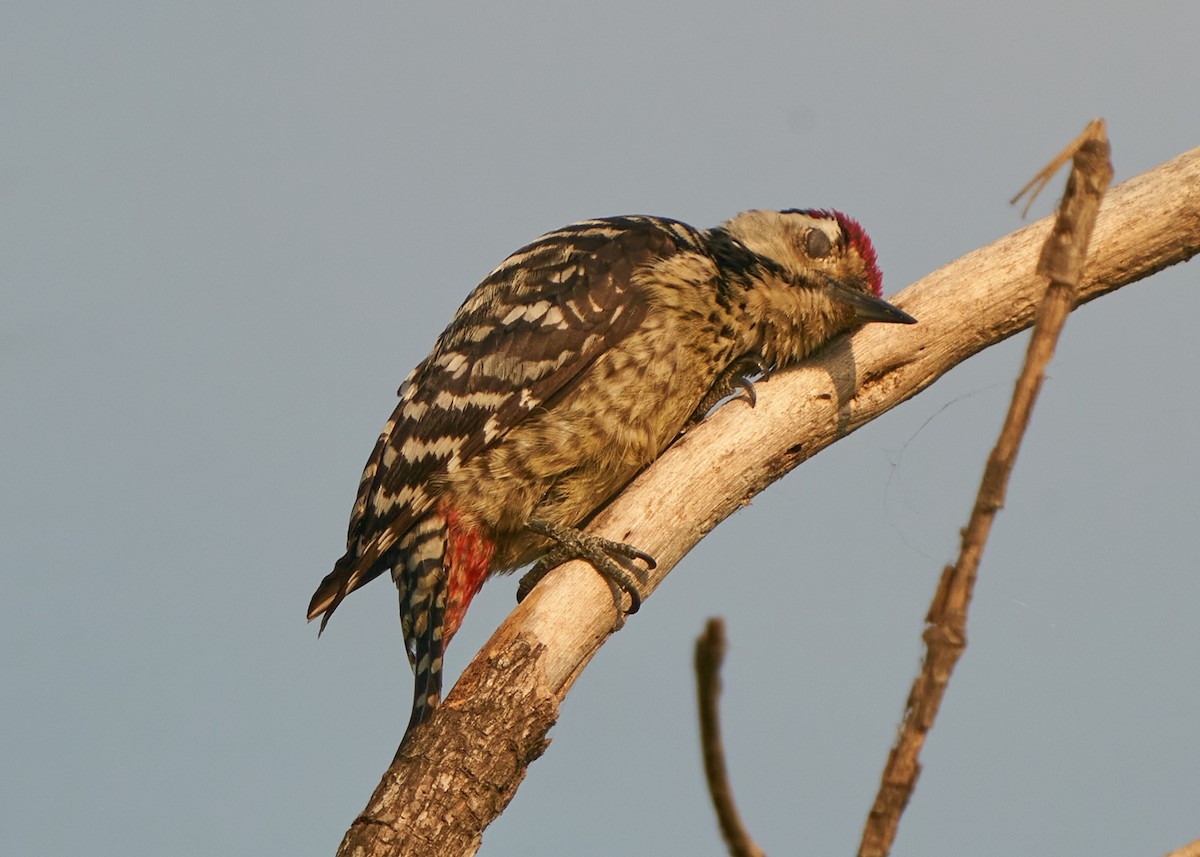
{"type": "Point", "coordinates": [413, 411]}
{"type": "Point", "coordinates": [454, 362]}
{"type": "Point", "coordinates": [442, 447]}
{"type": "Point", "coordinates": [475, 333]}
{"type": "Point", "coordinates": [480, 399]}
{"type": "Point", "coordinates": [536, 310]}
{"type": "Point", "coordinates": [491, 428]}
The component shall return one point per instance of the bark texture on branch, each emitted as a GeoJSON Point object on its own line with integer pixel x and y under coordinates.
{"type": "Point", "coordinates": [460, 770]}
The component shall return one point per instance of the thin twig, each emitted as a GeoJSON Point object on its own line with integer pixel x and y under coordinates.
{"type": "Point", "coordinates": [945, 626]}
{"type": "Point", "coordinates": [710, 652]}
{"type": "Point", "coordinates": [1037, 184]}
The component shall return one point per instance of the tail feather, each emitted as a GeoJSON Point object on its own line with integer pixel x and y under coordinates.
{"type": "Point", "coordinates": [331, 591]}
{"type": "Point", "coordinates": [421, 581]}
{"type": "Point", "coordinates": [349, 573]}
{"type": "Point", "coordinates": [418, 567]}
{"type": "Point", "coordinates": [427, 675]}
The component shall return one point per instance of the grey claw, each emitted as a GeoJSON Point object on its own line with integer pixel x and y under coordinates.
{"type": "Point", "coordinates": [741, 382]}
{"type": "Point", "coordinates": [614, 561]}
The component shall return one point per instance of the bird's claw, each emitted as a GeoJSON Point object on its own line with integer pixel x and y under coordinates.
{"type": "Point", "coordinates": [746, 387]}
{"type": "Point", "coordinates": [737, 377]}
{"type": "Point", "coordinates": [614, 561]}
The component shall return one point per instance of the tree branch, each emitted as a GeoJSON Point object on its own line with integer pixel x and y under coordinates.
{"type": "Point", "coordinates": [1190, 850]}
{"type": "Point", "coordinates": [462, 768]}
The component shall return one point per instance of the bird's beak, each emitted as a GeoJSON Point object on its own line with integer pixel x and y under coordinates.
{"type": "Point", "coordinates": [866, 306]}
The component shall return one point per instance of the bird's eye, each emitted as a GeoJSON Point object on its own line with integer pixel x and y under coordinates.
{"type": "Point", "coordinates": [816, 244]}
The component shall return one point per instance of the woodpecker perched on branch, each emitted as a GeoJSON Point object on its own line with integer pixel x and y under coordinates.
{"type": "Point", "coordinates": [569, 369]}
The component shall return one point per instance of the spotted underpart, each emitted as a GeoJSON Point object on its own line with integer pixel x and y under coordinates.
{"type": "Point", "coordinates": [563, 374]}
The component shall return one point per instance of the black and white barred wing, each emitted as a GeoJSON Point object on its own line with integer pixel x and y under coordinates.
{"type": "Point", "coordinates": [518, 342]}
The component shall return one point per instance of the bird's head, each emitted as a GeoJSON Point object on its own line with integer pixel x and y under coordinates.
{"type": "Point", "coordinates": [810, 274]}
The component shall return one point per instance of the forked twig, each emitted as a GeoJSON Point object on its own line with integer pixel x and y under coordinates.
{"type": "Point", "coordinates": [1034, 187]}
{"type": "Point", "coordinates": [945, 626]}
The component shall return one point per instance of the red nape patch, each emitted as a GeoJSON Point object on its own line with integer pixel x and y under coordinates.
{"type": "Point", "coordinates": [468, 561]}
{"type": "Point", "coordinates": [860, 241]}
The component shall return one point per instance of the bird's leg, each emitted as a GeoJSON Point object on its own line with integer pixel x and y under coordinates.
{"type": "Point", "coordinates": [736, 376]}
{"type": "Point", "coordinates": [613, 560]}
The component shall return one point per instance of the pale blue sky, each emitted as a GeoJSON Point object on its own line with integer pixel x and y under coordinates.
{"type": "Point", "coordinates": [227, 232]}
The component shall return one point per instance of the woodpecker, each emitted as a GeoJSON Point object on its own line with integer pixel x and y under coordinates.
{"type": "Point", "coordinates": [569, 369]}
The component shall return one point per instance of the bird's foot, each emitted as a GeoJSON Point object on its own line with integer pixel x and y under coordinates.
{"type": "Point", "coordinates": [737, 377]}
{"type": "Point", "coordinates": [613, 560]}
